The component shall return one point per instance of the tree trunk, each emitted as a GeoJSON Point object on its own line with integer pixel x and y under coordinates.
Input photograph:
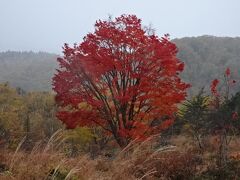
{"type": "Point", "coordinates": [122, 142]}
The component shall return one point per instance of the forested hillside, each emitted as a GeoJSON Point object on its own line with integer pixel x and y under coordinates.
{"type": "Point", "coordinates": [205, 57]}
{"type": "Point", "coordinates": [28, 70]}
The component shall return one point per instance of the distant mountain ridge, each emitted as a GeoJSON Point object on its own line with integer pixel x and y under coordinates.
{"type": "Point", "coordinates": [205, 57]}
{"type": "Point", "coordinates": [28, 70]}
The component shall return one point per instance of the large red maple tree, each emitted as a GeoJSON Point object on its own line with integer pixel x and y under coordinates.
{"type": "Point", "coordinates": [121, 78]}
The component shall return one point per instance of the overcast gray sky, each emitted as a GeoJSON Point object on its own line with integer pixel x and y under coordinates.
{"type": "Point", "coordinates": [44, 25]}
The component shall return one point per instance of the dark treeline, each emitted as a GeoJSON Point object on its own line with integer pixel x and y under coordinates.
{"type": "Point", "coordinates": [205, 57]}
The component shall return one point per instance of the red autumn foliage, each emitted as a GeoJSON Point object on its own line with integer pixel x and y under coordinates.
{"type": "Point", "coordinates": [227, 72]}
{"type": "Point", "coordinates": [214, 85]}
{"type": "Point", "coordinates": [234, 115]}
{"type": "Point", "coordinates": [120, 78]}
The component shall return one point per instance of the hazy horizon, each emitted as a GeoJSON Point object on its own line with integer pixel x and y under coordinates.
{"type": "Point", "coordinates": [44, 25]}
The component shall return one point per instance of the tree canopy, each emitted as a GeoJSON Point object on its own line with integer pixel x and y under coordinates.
{"type": "Point", "coordinates": [122, 77]}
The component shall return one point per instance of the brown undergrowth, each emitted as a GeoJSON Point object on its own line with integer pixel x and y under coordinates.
{"type": "Point", "coordinates": [146, 160]}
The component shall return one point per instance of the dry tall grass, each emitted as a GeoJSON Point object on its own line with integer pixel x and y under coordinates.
{"type": "Point", "coordinates": [137, 161]}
